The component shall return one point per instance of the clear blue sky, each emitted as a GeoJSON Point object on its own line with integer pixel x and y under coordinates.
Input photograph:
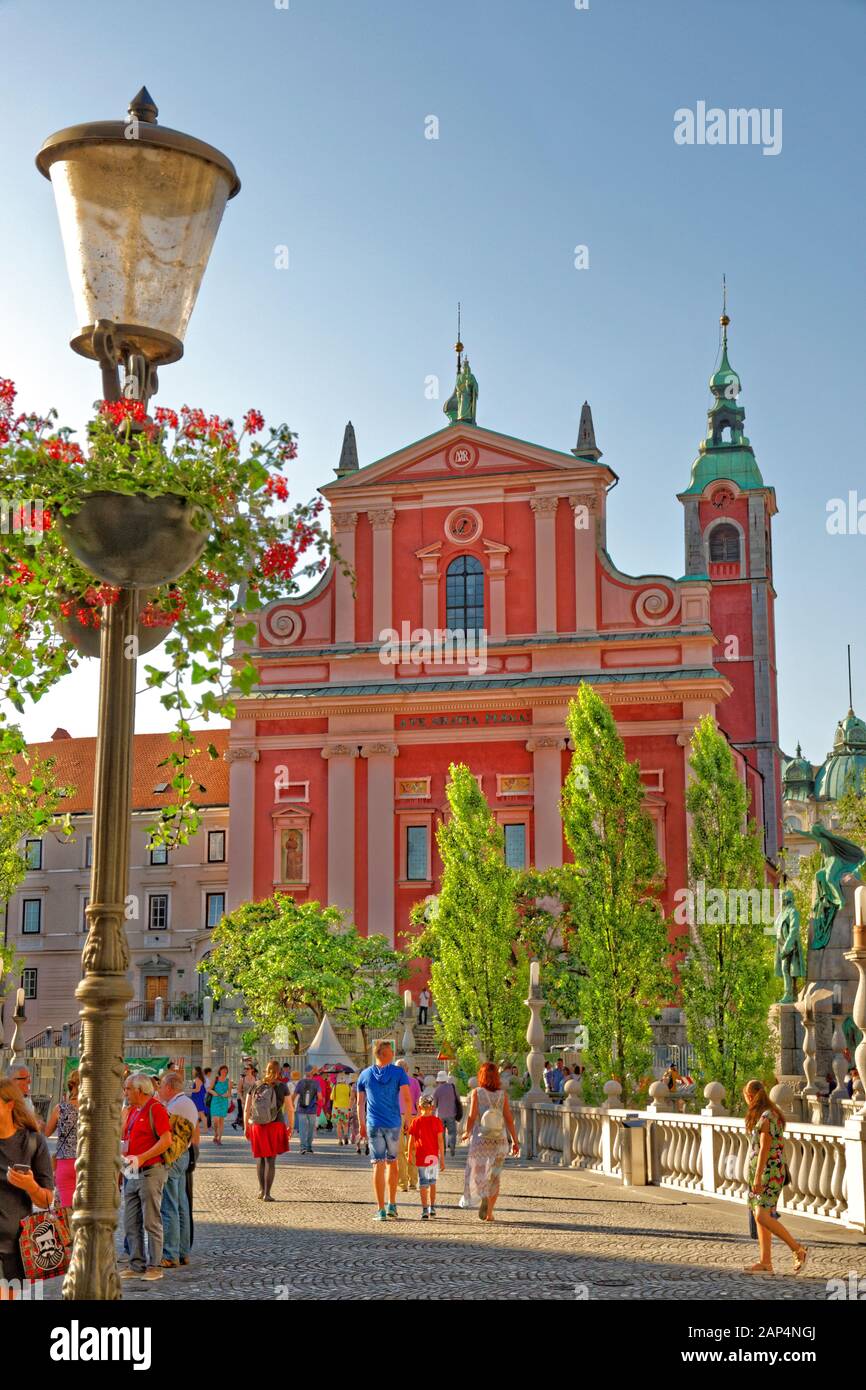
{"type": "Point", "coordinates": [556, 129]}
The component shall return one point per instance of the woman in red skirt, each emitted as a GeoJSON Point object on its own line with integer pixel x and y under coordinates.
{"type": "Point", "coordinates": [268, 1116]}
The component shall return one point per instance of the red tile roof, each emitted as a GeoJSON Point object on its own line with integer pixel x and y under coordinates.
{"type": "Point", "coordinates": [74, 760]}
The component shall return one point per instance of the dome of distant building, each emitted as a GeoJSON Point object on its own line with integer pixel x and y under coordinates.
{"type": "Point", "coordinates": [798, 778]}
{"type": "Point", "coordinates": [845, 768]}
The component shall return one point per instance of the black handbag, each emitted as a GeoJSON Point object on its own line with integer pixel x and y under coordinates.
{"type": "Point", "coordinates": [458, 1105]}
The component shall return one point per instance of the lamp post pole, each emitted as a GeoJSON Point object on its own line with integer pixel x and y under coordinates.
{"type": "Point", "coordinates": [105, 991]}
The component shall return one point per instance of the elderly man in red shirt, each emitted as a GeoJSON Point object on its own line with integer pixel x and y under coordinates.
{"type": "Point", "coordinates": [146, 1136]}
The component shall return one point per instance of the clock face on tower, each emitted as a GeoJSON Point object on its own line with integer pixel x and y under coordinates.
{"type": "Point", "coordinates": [723, 497]}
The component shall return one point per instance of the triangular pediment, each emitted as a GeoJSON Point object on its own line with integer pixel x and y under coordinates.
{"type": "Point", "coordinates": [457, 451]}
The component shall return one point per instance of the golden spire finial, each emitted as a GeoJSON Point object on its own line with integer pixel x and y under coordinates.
{"type": "Point", "coordinates": [724, 320]}
{"type": "Point", "coordinates": [458, 346]}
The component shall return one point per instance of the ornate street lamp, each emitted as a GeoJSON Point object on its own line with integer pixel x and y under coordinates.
{"type": "Point", "coordinates": [139, 208]}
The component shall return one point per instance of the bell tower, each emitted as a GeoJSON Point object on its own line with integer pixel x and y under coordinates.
{"type": "Point", "coordinates": [728, 539]}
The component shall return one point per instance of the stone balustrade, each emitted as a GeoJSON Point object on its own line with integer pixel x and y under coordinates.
{"type": "Point", "coordinates": [707, 1153]}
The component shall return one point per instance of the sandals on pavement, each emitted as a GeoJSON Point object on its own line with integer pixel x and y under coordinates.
{"type": "Point", "coordinates": [800, 1257]}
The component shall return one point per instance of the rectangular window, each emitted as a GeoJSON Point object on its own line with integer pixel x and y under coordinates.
{"type": "Point", "coordinates": [29, 979]}
{"type": "Point", "coordinates": [88, 852]}
{"type": "Point", "coordinates": [216, 846]}
{"type": "Point", "coordinates": [515, 845]}
{"type": "Point", "coordinates": [85, 925]}
{"type": "Point", "coordinates": [416, 852]}
{"type": "Point", "coordinates": [31, 916]}
{"type": "Point", "coordinates": [157, 911]}
{"type": "Point", "coordinates": [33, 854]}
{"type": "Point", "coordinates": [215, 906]}
{"type": "Point", "coordinates": [159, 854]}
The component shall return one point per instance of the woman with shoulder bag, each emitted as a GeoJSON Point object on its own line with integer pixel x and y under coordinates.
{"type": "Point", "coordinates": [26, 1179]}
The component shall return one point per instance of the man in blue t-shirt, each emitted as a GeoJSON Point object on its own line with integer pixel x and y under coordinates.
{"type": "Point", "coordinates": [383, 1094]}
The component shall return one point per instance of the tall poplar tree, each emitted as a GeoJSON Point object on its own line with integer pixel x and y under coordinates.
{"type": "Point", "coordinates": [619, 937]}
{"type": "Point", "coordinates": [727, 976]}
{"type": "Point", "coordinates": [478, 980]}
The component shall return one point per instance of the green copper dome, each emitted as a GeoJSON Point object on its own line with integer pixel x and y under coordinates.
{"type": "Point", "coordinates": [798, 778]}
{"type": "Point", "coordinates": [845, 767]}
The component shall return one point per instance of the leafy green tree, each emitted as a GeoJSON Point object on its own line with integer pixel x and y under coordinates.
{"type": "Point", "coordinates": [284, 958]}
{"type": "Point", "coordinates": [614, 930]}
{"type": "Point", "coordinates": [374, 999]}
{"type": "Point", "coordinates": [727, 976]}
{"type": "Point", "coordinates": [478, 979]}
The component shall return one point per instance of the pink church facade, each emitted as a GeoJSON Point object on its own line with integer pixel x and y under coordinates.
{"type": "Point", "coordinates": [339, 758]}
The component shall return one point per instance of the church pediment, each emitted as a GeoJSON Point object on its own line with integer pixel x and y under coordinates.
{"type": "Point", "coordinates": [468, 452]}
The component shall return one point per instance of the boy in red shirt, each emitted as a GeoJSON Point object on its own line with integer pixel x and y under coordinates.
{"type": "Point", "coordinates": [427, 1152]}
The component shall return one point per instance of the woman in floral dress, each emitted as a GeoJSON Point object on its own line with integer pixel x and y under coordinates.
{"type": "Point", "coordinates": [765, 1125]}
{"type": "Point", "coordinates": [489, 1124]}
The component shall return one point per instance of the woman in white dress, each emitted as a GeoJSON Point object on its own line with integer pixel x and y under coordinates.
{"type": "Point", "coordinates": [492, 1136]}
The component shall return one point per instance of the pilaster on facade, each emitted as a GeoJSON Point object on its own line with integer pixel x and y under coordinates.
{"type": "Point", "coordinates": [380, 836]}
{"type": "Point", "coordinates": [546, 750]}
{"type": "Point", "coordinates": [497, 574]}
{"type": "Point", "coordinates": [341, 824]}
{"type": "Point", "coordinates": [586, 509]}
{"type": "Point", "coordinates": [242, 759]}
{"type": "Point", "coordinates": [382, 524]}
{"type": "Point", "coordinates": [344, 524]}
{"type": "Point", "coordinates": [545, 508]}
{"type": "Point", "coordinates": [430, 555]}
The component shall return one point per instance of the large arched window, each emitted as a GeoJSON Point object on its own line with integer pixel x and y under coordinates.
{"type": "Point", "coordinates": [464, 595]}
{"type": "Point", "coordinates": [724, 543]}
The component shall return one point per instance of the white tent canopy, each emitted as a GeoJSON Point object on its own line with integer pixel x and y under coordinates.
{"type": "Point", "coordinates": [325, 1050]}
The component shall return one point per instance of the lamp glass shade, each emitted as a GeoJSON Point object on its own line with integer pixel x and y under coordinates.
{"type": "Point", "coordinates": [138, 223]}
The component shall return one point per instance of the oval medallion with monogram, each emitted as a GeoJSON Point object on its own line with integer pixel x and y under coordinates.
{"type": "Point", "coordinates": [461, 457]}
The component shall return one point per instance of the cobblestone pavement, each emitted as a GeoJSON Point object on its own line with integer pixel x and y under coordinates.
{"type": "Point", "coordinates": [558, 1235]}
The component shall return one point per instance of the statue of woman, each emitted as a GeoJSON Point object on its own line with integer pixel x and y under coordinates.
{"type": "Point", "coordinates": [790, 965]}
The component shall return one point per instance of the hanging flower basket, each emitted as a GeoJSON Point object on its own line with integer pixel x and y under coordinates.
{"type": "Point", "coordinates": [136, 541]}
{"type": "Point", "coordinates": [80, 619]}
{"type": "Point", "coordinates": [182, 504]}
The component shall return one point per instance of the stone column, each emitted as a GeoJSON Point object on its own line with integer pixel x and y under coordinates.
{"type": "Point", "coordinates": [341, 824]}
{"type": "Point", "coordinates": [546, 752]}
{"type": "Point", "coordinates": [545, 562]}
{"type": "Point", "coordinates": [242, 761]}
{"type": "Point", "coordinates": [344, 524]}
{"type": "Point", "coordinates": [380, 837]}
{"type": "Point", "coordinates": [584, 506]}
{"type": "Point", "coordinates": [382, 522]}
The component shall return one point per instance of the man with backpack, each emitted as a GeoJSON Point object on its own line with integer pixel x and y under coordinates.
{"type": "Point", "coordinates": [307, 1094]}
{"type": "Point", "coordinates": [183, 1118]}
{"type": "Point", "coordinates": [448, 1107]}
{"type": "Point", "coordinates": [145, 1138]}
